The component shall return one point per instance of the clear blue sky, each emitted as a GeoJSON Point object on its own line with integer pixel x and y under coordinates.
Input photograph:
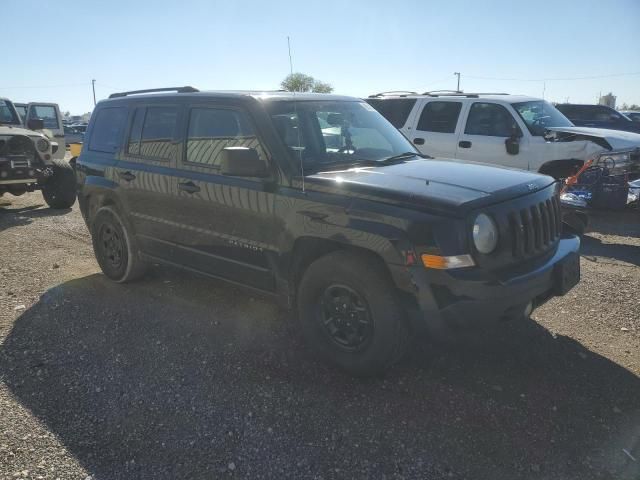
{"type": "Point", "coordinates": [54, 49]}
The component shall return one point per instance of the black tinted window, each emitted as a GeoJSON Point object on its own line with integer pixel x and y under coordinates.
{"type": "Point", "coordinates": [47, 113]}
{"type": "Point", "coordinates": [491, 120]}
{"type": "Point", "coordinates": [604, 114]}
{"type": "Point", "coordinates": [571, 112]}
{"type": "Point", "coordinates": [107, 129]}
{"type": "Point", "coordinates": [212, 129]}
{"type": "Point", "coordinates": [440, 117]}
{"type": "Point", "coordinates": [136, 131]}
{"type": "Point", "coordinates": [396, 110]}
{"type": "Point", "coordinates": [157, 132]}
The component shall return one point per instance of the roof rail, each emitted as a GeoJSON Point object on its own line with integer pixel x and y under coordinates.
{"type": "Point", "coordinates": [399, 93]}
{"type": "Point", "coordinates": [456, 93]}
{"type": "Point", "coordinates": [185, 89]}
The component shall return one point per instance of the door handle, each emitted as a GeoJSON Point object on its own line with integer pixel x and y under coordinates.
{"type": "Point", "coordinates": [127, 176]}
{"type": "Point", "coordinates": [464, 144]}
{"type": "Point", "coordinates": [189, 187]}
{"type": "Point", "coordinates": [418, 141]}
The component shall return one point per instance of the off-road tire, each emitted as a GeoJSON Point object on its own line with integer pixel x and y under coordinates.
{"type": "Point", "coordinates": [361, 273]}
{"type": "Point", "coordinates": [115, 247]}
{"type": "Point", "coordinates": [60, 190]}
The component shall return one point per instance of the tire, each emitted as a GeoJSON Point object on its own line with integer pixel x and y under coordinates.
{"type": "Point", "coordinates": [358, 288]}
{"type": "Point", "coordinates": [115, 247]}
{"type": "Point", "coordinates": [60, 190]}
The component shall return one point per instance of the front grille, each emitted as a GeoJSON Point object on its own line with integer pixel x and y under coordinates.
{"type": "Point", "coordinates": [535, 228]}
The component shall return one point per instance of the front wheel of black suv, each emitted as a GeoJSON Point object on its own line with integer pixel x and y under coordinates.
{"type": "Point", "coordinates": [60, 190]}
{"type": "Point", "coordinates": [349, 313]}
{"type": "Point", "coordinates": [115, 247]}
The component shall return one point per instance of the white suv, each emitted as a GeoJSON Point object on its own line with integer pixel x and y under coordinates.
{"type": "Point", "coordinates": [508, 130]}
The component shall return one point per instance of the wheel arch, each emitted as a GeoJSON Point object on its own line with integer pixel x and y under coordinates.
{"type": "Point", "coordinates": [308, 249]}
{"type": "Point", "coordinates": [561, 168]}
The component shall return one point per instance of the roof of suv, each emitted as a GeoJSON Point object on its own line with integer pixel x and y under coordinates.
{"type": "Point", "coordinates": [504, 97]}
{"type": "Point", "coordinates": [263, 95]}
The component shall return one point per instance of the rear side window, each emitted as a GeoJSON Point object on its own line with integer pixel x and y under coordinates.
{"type": "Point", "coordinates": [133, 146]}
{"type": "Point", "coordinates": [157, 132]}
{"type": "Point", "coordinates": [213, 129]}
{"type": "Point", "coordinates": [440, 117]}
{"type": "Point", "coordinates": [491, 120]}
{"type": "Point", "coordinates": [107, 129]}
{"type": "Point", "coordinates": [395, 110]}
{"type": "Point", "coordinates": [571, 112]}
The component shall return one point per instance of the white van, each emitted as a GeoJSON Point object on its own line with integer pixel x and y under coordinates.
{"type": "Point", "coordinates": [509, 130]}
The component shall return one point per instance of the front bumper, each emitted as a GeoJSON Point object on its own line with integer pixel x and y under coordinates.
{"type": "Point", "coordinates": [469, 297]}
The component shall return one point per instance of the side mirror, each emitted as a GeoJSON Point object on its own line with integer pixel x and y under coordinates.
{"type": "Point", "coordinates": [35, 124]}
{"type": "Point", "coordinates": [242, 162]}
{"type": "Point", "coordinates": [512, 144]}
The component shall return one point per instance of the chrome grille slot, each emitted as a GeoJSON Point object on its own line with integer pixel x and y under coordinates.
{"type": "Point", "coordinates": [20, 163]}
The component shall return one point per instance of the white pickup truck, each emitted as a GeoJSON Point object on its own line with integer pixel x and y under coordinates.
{"type": "Point", "coordinates": [509, 130]}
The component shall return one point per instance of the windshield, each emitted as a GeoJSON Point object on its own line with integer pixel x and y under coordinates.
{"type": "Point", "coordinates": [326, 133]}
{"type": "Point", "coordinates": [8, 114]}
{"type": "Point", "coordinates": [539, 115]}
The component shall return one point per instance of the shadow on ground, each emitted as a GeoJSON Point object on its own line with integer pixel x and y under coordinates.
{"type": "Point", "coordinates": [180, 377]}
{"type": "Point", "coordinates": [625, 223]}
{"type": "Point", "coordinates": [594, 247]}
{"type": "Point", "coordinates": [18, 216]}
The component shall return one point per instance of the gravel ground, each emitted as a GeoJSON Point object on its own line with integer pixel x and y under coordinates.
{"type": "Point", "coordinates": [179, 376]}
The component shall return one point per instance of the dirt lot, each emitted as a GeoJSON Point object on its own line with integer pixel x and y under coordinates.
{"type": "Point", "coordinates": [183, 377]}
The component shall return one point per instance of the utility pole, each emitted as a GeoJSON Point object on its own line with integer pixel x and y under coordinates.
{"type": "Point", "coordinates": [93, 86]}
{"type": "Point", "coordinates": [458, 74]}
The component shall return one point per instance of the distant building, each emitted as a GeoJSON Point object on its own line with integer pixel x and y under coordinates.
{"type": "Point", "coordinates": [609, 100]}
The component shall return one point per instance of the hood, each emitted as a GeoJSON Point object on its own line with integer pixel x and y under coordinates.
{"type": "Point", "coordinates": [432, 184]}
{"type": "Point", "coordinates": [10, 130]}
{"type": "Point", "coordinates": [609, 139]}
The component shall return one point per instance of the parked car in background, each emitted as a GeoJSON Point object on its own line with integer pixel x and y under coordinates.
{"type": "Point", "coordinates": [80, 127]}
{"type": "Point", "coordinates": [633, 115]}
{"type": "Point", "coordinates": [27, 160]}
{"type": "Point", "coordinates": [72, 135]}
{"type": "Point", "coordinates": [598, 116]}
{"type": "Point", "coordinates": [319, 200]}
{"type": "Point", "coordinates": [509, 130]}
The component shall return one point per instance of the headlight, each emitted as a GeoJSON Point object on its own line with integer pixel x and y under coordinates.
{"type": "Point", "coordinates": [485, 234]}
{"type": "Point", "coordinates": [616, 163]}
{"type": "Point", "coordinates": [42, 145]}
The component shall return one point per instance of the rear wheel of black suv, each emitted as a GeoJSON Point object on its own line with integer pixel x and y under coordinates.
{"type": "Point", "coordinates": [349, 313]}
{"type": "Point", "coordinates": [60, 190]}
{"type": "Point", "coordinates": [115, 247]}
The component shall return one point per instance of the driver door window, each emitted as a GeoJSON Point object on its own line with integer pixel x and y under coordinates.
{"type": "Point", "coordinates": [491, 120]}
{"type": "Point", "coordinates": [487, 127]}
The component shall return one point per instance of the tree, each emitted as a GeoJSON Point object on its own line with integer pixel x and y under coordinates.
{"type": "Point", "coordinates": [633, 106]}
{"type": "Point", "coordinates": [322, 87]}
{"type": "Point", "coordinates": [299, 82]}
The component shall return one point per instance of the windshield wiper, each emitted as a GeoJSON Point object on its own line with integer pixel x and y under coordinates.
{"type": "Point", "coordinates": [363, 162]}
{"type": "Point", "coordinates": [401, 156]}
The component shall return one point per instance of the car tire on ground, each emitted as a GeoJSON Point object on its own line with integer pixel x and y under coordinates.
{"type": "Point", "coordinates": [60, 189]}
{"type": "Point", "coordinates": [115, 247]}
{"type": "Point", "coordinates": [349, 313]}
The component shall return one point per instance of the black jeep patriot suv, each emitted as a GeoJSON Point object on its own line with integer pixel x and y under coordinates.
{"type": "Point", "coordinates": [320, 201]}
